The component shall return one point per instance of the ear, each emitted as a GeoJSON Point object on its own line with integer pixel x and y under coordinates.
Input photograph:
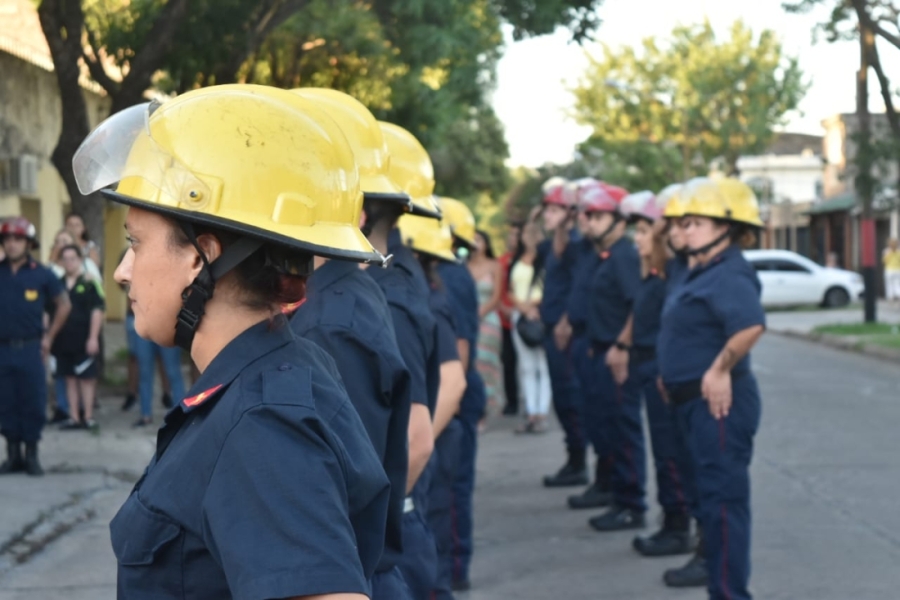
{"type": "Point", "coordinates": [211, 248]}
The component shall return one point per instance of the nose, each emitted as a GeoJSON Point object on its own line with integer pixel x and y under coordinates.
{"type": "Point", "coordinates": [123, 271]}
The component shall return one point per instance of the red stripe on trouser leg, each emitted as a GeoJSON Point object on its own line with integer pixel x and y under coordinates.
{"type": "Point", "coordinates": [676, 480]}
{"type": "Point", "coordinates": [454, 529]}
{"type": "Point", "coordinates": [725, 587]}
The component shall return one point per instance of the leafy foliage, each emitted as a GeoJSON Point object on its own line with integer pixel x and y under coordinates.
{"type": "Point", "coordinates": [708, 97]}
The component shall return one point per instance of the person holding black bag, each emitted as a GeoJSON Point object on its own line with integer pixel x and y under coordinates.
{"type": "Point", "coordinates": [526, 291]}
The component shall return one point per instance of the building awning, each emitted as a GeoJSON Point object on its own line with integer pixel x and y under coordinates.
{"type": "Point", "coordinates": [842, 203]}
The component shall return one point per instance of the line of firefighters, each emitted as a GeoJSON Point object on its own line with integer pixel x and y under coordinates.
{"type": "Point", "coordinates": [292, 244]}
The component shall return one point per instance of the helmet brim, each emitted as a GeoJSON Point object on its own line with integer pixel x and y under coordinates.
{"type": "Point", "coordinates": [353, 245]}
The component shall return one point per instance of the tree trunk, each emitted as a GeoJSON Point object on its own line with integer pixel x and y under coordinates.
{"type": "Point", "coordinates": [864, 181]}
{"type": "Point", "coordinates": [63, 23]}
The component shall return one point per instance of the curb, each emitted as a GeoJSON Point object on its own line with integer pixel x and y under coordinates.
{"type": "Point", "coordinates": [842, 343]}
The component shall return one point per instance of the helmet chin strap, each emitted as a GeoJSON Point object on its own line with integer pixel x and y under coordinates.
{"type": "Point", "coordinates": [598, 239]}
{"type": "Point", "coordinates": [712, 244]}
{"type": "Point", "coordinates": [676, 251]}
{"type": "Point", "coordinates": [195, 296]}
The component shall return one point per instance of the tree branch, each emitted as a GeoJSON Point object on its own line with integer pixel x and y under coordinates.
{"type": "Point", "coordinates": [885, 84]}
{"type": "Point", "coordinates": [268, 20]}
{"type": "Point", "coordinates": [98, 72]}
{"type": "Point", "coordinates": [147, 60]}
{"type": "Point", "coordinates": [868, 21]}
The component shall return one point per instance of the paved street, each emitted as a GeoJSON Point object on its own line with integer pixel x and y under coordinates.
{"type": "Point", "coordinates": [804, 321]}
{"type": "Point", "coordinates": [826, 484]}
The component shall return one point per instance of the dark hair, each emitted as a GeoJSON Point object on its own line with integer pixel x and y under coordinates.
{"type": "Point", "coordinates": [744, 236]}
{"type": "Point", "coordinates": [741, 234]}
{"type": "Point", "coordinates": [429, 265]}
{"type": "Point", "coordinates": [261, 284]}
{"type": "Point", "coordinates": [85, 236]}
{"type": "Point", "coordinates": [488, 247]}
{"type": "Point", "coordinates": [71, 247]}
{"type": "Point", "coordinates": [538, 263]}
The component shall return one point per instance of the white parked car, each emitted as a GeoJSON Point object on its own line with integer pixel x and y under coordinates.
{"type": "Point", "coordinates": [789, 279]}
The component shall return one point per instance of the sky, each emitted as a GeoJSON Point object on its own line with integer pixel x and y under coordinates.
{"type": "Point", "coordinates": [533, 77]}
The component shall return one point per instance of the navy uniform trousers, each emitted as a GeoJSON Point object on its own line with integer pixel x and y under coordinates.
{"type": "Point", "coordinates": [566, 395]}
{"type": "Point", "coordinates": [597, 430]}
{"type": "Point", "coordinates": [721, 451]}
{"type": "Point", "coordinates": [440, 505]}
{"type": "Point", "coordinates": [617, 409]}
{"type": "Point", "coordinates": [670, 456]}
{"type": "Point", "coordinates": [418, 561]}
{"type": "Point", "coordinates": [23, 391]}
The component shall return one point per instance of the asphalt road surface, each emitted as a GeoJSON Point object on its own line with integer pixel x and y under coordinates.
{"type": "Point", "coordinates": [825, 485]}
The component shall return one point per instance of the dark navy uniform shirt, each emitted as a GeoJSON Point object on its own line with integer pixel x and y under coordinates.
{"type": "Point", "coordinates": [586, 262]}
{"type": "Point", "coordinates": [447, 350]}
{"type": "Point", "coordinates": [711, 304]}
{"type": "Point", "coordinates": [462, 294]}
{"type": "Point", "coordinates": [24, 297]}
{"type": "Point", "coordinates": [407, 292]}
{"type": "Point", "coordinates": [462, 297]}
{"type": "Point", "coordinates": [612, 290]}
{"type": "Point", "coordinates": [347, 315]}
{"type": "Point", "coordinates": [648, 305]}
{"type": "Point", "coordinates": [559, 272]}
{"type": "Point", "coordinates": [676, 270]}
{"type": "Point", "coordinates": [264, 483]}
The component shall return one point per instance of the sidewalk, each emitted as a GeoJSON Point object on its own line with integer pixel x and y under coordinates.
{"type": "Point", "coordinates": [59, 523]}
{"type": "Point", "coordinates": [802, 325]}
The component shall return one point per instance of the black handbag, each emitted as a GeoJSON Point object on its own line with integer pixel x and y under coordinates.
{"type": "Point", "coordinates": [531, 331]}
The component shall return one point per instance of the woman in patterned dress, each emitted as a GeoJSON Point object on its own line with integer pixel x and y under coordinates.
{"type": "Point", "coordinates": [487, 274]}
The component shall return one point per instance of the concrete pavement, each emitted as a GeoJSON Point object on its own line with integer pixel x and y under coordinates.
{"type": "Point", "coordinates": [804, 321]}
{"type": "Point", "coordinates": [825, 478]}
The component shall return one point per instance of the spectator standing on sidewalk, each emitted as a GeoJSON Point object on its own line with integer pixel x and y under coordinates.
{"type": "Point", "coordinates": [891, 260]}
{"type": "Point", "coordinates": [77, 346]}
{"type": "Point", "coordinates": [89, 249]}
{"type": "Point", "coordinates": [26, 290]}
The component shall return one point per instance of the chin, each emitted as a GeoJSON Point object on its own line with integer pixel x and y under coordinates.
{"type": "Point", "coordinates": [153, 333]}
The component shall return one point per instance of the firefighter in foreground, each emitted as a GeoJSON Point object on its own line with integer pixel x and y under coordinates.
{"type": "Point", "coordinates": [264, 483]}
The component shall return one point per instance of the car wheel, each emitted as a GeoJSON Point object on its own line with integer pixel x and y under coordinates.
{"type": "Point", "coordinates": [836, 297]}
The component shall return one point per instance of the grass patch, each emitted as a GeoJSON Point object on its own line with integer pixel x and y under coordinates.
{"type": "Point", "coordinates": [886, 335]}
{"type": "Point", "coordinates": [874, 329]}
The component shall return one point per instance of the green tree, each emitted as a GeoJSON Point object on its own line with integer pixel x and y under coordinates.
{"type": "Point", "coordinates": [425, 64]}
{"type": "Point", "coordinates": [707, 97]}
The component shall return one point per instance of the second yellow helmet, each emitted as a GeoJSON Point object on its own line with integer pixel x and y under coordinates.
{"type": "Point", "coordinates": [460, 219]}
{"type": "Point", "coordinates": [411, 169]}
{"type": "Point", "coordinates": [428, 236]}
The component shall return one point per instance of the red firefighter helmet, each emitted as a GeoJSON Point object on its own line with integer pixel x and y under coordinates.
{"type": "Point", "coordinates": [22, 227]}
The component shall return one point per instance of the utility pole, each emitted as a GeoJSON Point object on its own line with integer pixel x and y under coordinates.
{"type": "Point", "coordinates": [864, 183]}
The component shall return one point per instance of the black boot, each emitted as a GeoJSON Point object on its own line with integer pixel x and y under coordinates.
{"type": "Point", "coordinates": [13, 462]}
{"type": "Point", "coordinates": [618, 518]}
{"type": "Point", "coordinates": [573, 473]}
{"type": "Point", "coordinates": [32, 465]}
{"type": "Point", "coordinates": [694, 573]}
{"type": "Point", "coordinates": [598, 495]}
{"type": "Point", "coordinates": [673, 538]}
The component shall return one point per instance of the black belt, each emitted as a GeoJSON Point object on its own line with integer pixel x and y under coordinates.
{"type": "Point", "coordinates": [18, 343]}
{"type": "Point", "coordinates": [641, 354]}
{"type": "Point", "coordinates": [601, 347]}
{"type": "Point", "coordinates": [685, 392]}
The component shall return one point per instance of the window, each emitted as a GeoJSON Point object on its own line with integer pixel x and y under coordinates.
{"type": "Point", "coordinates": [762, 265]}
{"type": "Point", "coordinates": [787, 266]}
